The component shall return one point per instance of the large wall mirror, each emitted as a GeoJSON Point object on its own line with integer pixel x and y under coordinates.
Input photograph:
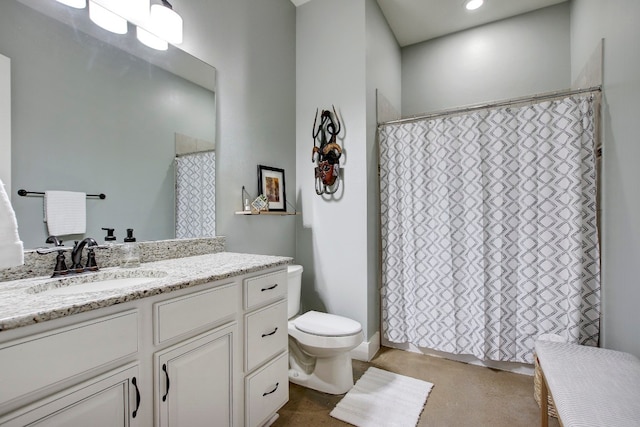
{"type": "Point", "coordinates": [98, 113]}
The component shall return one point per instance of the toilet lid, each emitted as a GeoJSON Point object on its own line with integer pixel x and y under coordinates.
{"type": "Point", "coordinates": [330, 325]}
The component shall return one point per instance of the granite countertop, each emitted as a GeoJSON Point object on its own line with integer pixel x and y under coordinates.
{"type": "Point", "coordinates": [22, 304]}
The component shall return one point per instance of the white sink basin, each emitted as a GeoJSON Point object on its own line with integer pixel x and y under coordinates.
{"type": "Point", "coordinates": [98, 282]}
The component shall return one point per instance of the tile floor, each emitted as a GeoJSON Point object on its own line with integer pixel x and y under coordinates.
{"type": "Point", "coordinates": [463, 395]}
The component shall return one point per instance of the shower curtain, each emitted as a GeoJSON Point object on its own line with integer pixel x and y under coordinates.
{"type": "Point", "coordinates": [488, 224]}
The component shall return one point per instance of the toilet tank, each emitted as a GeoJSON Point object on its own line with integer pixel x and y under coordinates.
{"type": "Point", "coordinates": [294, 286]}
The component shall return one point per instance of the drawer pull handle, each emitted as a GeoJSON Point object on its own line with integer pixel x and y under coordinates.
{"type": "Point", "coordinates": [270, 333]}
{"type": "Point", "coordinates": [269, 288]}
{"type": "Point", "coordinates": [164, 368]}
{"type": "Point", "coordinates": [135, 384]}
{"type": "Point", "coordinates": [272, 391]}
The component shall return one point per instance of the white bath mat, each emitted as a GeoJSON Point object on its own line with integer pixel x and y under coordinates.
{"type": "Point", "coordinates": [384, 399]}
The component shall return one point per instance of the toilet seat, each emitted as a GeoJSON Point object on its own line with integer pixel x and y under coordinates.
{"type": "Point", "coordinates": [327, 325]}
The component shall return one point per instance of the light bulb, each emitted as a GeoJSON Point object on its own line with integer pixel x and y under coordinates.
{"type": "Point", "coordinates": [474, 4]}
{"type": "Point", "coordinates": [151, 40]}
{"type": "Point", "coordinates": [166, 23]}
{"type": "Point", "coordinates": [78, 4]}
{"type": "Point", "coordinates": [107, 19]}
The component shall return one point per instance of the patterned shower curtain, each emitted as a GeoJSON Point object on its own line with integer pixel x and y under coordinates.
{"type": "Point", "coordinates": [196, 195]}
{"type": "Point", "coordinates": [489, 234]}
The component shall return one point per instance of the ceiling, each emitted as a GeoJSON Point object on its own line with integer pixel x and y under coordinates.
{"type": "Point", "coordinates": [414, 21]}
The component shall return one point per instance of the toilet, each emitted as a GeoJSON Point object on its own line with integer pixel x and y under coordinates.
{"type": "Point", "coordinates": [319, 344]}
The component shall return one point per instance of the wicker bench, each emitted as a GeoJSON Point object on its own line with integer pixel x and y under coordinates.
{"type": "Point", "coordinates": [589, 386]}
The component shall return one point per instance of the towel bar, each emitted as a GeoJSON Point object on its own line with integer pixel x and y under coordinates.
{"type": "Point", "coordinates": [22, 192]}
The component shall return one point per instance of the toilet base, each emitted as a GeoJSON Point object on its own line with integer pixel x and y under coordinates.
{"type": "Point", "coordinates": [333, 375]}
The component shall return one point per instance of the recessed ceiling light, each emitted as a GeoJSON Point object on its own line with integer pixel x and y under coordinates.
{"type": "Point", "coordinates": [473, 4]}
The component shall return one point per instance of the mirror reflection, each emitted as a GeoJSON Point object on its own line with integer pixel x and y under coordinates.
{"type": "Point", "coordinates": [91, 117]}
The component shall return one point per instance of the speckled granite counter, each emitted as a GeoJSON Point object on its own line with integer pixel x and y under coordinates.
{"type": "Point", "coordinates": [36, 264]}
{"type": "Point", "coordinates": [22, 303]}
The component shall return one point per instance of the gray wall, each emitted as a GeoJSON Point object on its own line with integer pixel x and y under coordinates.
{"type": "Point", "coordinates": [616, 22]}
{"type": "Point", "coordinates": [252, 45]}
{"type": "Point", "coordinates": [514, 57]}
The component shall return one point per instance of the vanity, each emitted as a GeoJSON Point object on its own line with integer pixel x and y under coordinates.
{"type": "Point", "coordinates": [199, 340]}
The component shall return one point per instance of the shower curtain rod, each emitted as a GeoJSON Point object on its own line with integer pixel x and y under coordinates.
{"type": "Point", "coordinates": [503, 103]}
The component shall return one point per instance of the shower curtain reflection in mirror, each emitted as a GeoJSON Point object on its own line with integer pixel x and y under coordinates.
{"type": "Point", "coordinates": [195, 194]}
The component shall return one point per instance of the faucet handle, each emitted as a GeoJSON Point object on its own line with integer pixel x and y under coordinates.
{"type": "Point", "coordinates": [61, 266]}
{"type": "Point", "coordinates": [58, 246]}
{"type": "Point", "coordinates": [59, 249]}
{"type": "Point", "coordinates": [91, 259]}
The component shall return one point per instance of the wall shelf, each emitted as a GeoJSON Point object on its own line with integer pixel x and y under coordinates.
{"type": "Point", "coordinates": [249, 213]}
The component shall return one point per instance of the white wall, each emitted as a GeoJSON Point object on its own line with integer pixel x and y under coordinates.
{"type": "Point", "coordinates": [616, 22]}
{"type": "Point", "coordinates": [515, 57]}
{"type": "Point", "coordinates": [332, 232]}
{"type": "Point", "coordinates": [252, 45]}
{"type": "Point", "coordinates": [342, 64]}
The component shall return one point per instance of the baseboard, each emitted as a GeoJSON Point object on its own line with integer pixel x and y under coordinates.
{"type": "Point", "coordinates": [367, 349]}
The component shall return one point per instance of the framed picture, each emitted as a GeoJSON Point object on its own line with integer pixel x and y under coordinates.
{"type": "Point", "coordinates": [271, 184]}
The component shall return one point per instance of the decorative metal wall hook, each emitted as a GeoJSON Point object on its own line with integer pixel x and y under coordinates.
{"type": "Point", "coordinates": [326, 152]}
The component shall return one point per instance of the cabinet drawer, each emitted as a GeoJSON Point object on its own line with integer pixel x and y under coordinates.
{"type": "Point", "coordinates": [266, 334]}
{"type": "Point", "coordinates": [179, 316]}
{"type": "Point", "coordinates": [266, 391]}
{"type": "Point", "coordinates": [260, 290]}
{"type": "Point", "coordinates": [38, 361]}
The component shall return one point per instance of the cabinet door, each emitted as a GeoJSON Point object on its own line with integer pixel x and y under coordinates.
{"type": "Point", "coordinates": [194, 381]}
{"type": "Point", "coordinates": [109, 400]}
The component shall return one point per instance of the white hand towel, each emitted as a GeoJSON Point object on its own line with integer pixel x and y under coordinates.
{"type": "Point", "coordinates": [11, 248]}
{"type": "Point", "coordinates": [65, 212]}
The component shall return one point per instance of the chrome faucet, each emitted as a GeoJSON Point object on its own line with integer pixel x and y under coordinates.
{"type": "Point", "coordinates": [76, 255]}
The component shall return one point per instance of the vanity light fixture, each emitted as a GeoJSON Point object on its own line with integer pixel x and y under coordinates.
{"type": "Point", "coordinates": [157, 25]}
{"type": "Point", "coordinates": [166, 23]}
{"type": "Point", "coordinates": [473, 4]}
{"type": "Point", "coordinates": [151, 40]}
{"type": "Point", "coordinates": [106, 19]}
{"type": "Point", "coordinates": [78, 4]}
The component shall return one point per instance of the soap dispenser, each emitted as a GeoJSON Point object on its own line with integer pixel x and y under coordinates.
{"type": "Point", "coordinates": [109, 239]}
{"type": "Point", "coordinates": [130, 251]}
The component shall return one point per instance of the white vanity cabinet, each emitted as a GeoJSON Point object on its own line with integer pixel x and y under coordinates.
{"type": "Point", "coordinates": [211, 354]}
